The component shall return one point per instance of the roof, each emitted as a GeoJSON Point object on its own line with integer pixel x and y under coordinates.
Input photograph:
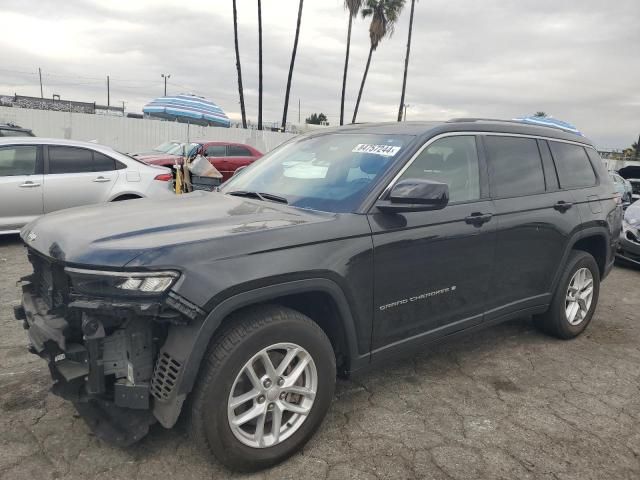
{"type": "Point", "coordinates": [51, 141]}
{"type": "Point", "coordinates": [418, 128]}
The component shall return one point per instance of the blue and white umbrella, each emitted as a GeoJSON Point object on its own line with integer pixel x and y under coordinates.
{"type": "Point", "coordinates": [187, 109]}
{"type": "Point", "coordinates": [550, 122]}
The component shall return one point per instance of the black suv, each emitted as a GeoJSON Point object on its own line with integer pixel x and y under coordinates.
{"type": "Point", "coordinates": [12, 130]}
{"type": "Point", "coordinates": [334, 252]}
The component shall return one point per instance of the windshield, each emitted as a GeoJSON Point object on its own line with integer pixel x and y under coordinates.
{"type": "Point", "coordinates": [165, 147]}
{"type": "Point", "coordinates": [328, 172]}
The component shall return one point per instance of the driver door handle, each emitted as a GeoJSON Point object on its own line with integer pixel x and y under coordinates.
{"type": "Point", "coordinates": [29, 184]}
{"type": "Point", "coordinates": [477, 218]}
{"type": "Point", "coordinates": [101, 179]}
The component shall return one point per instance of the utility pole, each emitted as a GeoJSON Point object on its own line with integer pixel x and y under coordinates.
{"type": "Point", "coordinates": [638, 149]}
{"type": "Point", "coordinates": [165, 76]}
{"type": "Point", "coordinates": [108, 94]}
{"type": "Point", "coordinates": [123, 108]}
{"type": "Point", "coordinates": [405, 111]}
{"type": "Point", "coordinates": [298, 110]}
{"type": "Point", "coordinates": [40, 74]}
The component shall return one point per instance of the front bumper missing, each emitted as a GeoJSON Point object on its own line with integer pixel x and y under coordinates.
{"type": "Point", "coordinates": [628, 250]}
{"type": "Point", "coordinates": [105, 376]}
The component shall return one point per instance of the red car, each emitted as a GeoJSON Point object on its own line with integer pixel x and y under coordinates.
{"type": "Point", "coordinates": [225, 156]}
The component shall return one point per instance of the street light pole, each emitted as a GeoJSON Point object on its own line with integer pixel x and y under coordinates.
{"type": "Point", "coordinates": [405, 111]}
{"type": "Point", "coordinates": [165, 76]}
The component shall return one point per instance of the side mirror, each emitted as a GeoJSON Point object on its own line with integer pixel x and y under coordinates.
{"type": "Point", "coordinates": [415, 194]}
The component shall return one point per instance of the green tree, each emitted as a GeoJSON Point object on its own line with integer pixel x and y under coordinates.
{"type": "Point", "coordinates": [384, 14]}
{"type": "Point", "coordinates": [540, 114]}
{"type": "Point", "coordinates": [406, 62]}
{"type": "Point", "coordinates": [238, 68]}
{"type": "Point", "coordinates": [353, 6]}
{"type": "Point", "coordinates": [293, 60]}
{"type": "Point", "coordinates": [317, 119]}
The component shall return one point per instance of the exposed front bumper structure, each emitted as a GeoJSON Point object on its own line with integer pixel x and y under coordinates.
{"type": "Point", "coordinates": [104, 355]}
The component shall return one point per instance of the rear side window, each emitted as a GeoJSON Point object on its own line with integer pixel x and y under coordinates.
{"type": "Point", "coordinates": [18, 160]}
{"type": "Point", "coordinates": [238, 151]}
{"type": "Point", "coordinates": [573, 165]}
{"type": "Point", "coordinates": [215, 151]}
{"type": "Point", "coordinates": [515, 166]}
{"type": "Point", "coordinates": [80, 160]}
{"type": "Point", "coordinates": [70, 160]}
{"type": "Point", "coordinates": [102, 163]}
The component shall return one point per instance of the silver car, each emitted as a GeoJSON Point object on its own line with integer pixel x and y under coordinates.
{"type": "Point", "coordinates": [41, 175]}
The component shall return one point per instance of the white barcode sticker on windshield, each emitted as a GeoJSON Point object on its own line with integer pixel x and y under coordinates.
{"type": "Point", "coordinates": [384, 150]}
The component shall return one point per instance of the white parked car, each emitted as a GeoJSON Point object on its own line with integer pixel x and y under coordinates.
{"type": "Point", "coordinates": [41, 175]}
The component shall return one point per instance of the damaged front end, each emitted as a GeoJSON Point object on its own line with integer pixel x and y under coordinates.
{"type": "Point", "coordinates": [102, 334]}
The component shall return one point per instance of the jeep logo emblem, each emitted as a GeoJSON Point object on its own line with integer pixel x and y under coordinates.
{"type": "Point", "coordinates": [32, 236]}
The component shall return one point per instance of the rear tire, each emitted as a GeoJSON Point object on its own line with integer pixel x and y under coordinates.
{"type": "Point", "coordinates": [574, 300]}
{"type": "Point", "coordinates": [234, 367]}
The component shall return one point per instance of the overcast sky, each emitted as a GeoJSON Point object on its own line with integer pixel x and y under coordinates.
{"type": "Point", "coordinates": [576, 60]}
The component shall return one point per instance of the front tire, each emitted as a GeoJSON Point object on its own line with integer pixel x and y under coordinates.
{"type": "Point", "coordinates": [265, 386]}
{"type": "Point", "coordinates": [574, 300]}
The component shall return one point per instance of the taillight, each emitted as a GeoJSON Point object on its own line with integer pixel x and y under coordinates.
{"type": "Point", "coordinates": [618, 198]}
{"type": "Point", "coordinates": [163, 177]}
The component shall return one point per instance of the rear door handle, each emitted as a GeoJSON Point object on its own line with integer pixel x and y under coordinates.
{"type": "Point", "coordinates": [477, 218]}
{"type": "Point", "coordinates": [563, 206]}
{"type": "Point", "coordinates": [29, 184]}
{"type": "Point", "coordinates": [101, 179]}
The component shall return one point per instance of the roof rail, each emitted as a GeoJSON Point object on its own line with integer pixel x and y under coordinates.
{"type": "Point", "coordinates": [519, 122]}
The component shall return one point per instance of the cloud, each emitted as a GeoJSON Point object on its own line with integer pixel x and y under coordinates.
{"type": "Point", "coordinates": [573, 59]}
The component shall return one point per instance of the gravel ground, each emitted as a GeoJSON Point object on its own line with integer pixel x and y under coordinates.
{"type": "Point", "coordinates": [507, 403]}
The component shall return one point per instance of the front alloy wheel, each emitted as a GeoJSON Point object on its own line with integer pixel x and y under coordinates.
{"type": "Point", "coordinates": [264, 387]}
{"type": "Point", "coordinates": [272, 395]}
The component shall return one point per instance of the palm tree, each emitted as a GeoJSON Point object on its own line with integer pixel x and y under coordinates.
{"type": "Point", "coordinates": [406, 62]}
{"type": "Point", "coordinates": [384, 14]}
{"type": "Point", "coordinates": [354, 7]}
{"type": "Point", "coordinates": [540, 114]}
{"type": "Point", "coordinates": [259, 64]}
{"type": "Point", "coordinates": [293, 60]}
{"type": "Point", "coordinates": [240, 91]}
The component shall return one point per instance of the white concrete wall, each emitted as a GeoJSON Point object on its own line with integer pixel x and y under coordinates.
{"type": "Point", "coordinates": [131, 134]}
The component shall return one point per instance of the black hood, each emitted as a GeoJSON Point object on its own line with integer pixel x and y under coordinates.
{"type": "Point", "coordinates": [630, 171]}
{"type": "Point", "coordinates": [112, 235]}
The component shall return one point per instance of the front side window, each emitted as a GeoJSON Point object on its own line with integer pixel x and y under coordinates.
{"type": "Point", "coordinates": [515, 166]}
{"type": "Point", "coordinates": [450, 160]}
{"type": "Point", "coordinates": [573, 165]}
{"type": "Point", "coordinates": [331, 172]}
{"type": "Point", "coordinates": [15, 133]}
{"type": "Point", "coordinates": [18, 160]}
{"type": "Point", "coordinates": [70, 160]}
{"type": "Point", "coordinates": [238, 151]}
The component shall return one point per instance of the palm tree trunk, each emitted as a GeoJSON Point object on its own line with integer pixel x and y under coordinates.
{"type": "Point", "coordinates": [406, 62]}
{"type": "Point", "coordinates": [293, 60]}
{"type": "Point", "coordinates": [364, 79]}
{"type": "Point", "coordinates": [259, 64]}
{"type": "Point", "coordinates": [344, 75]}
{"type": "Point", "coordinates": [240, 90]}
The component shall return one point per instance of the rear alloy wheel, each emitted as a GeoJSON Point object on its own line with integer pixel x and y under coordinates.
{"type": "Point", "coordinates": [264, 388]}
{"type": "Point", "coordinates": [579, 296]}
{"type": "Point", "coordinates": [575, 298]}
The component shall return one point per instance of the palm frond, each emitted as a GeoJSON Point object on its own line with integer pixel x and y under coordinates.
{"type": "Point", "coordinates": [353, 6]}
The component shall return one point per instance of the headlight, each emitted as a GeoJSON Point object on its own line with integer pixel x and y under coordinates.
{"type": "Point", "coordinates": [121, 284]}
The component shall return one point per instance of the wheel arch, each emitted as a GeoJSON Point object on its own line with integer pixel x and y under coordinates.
{"type": "Point", "coordinates": [125, 196]}
{"type": "Point", "coordinates": [593, 240]}
{"type": "Point", "coordinates": [312, 297]}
